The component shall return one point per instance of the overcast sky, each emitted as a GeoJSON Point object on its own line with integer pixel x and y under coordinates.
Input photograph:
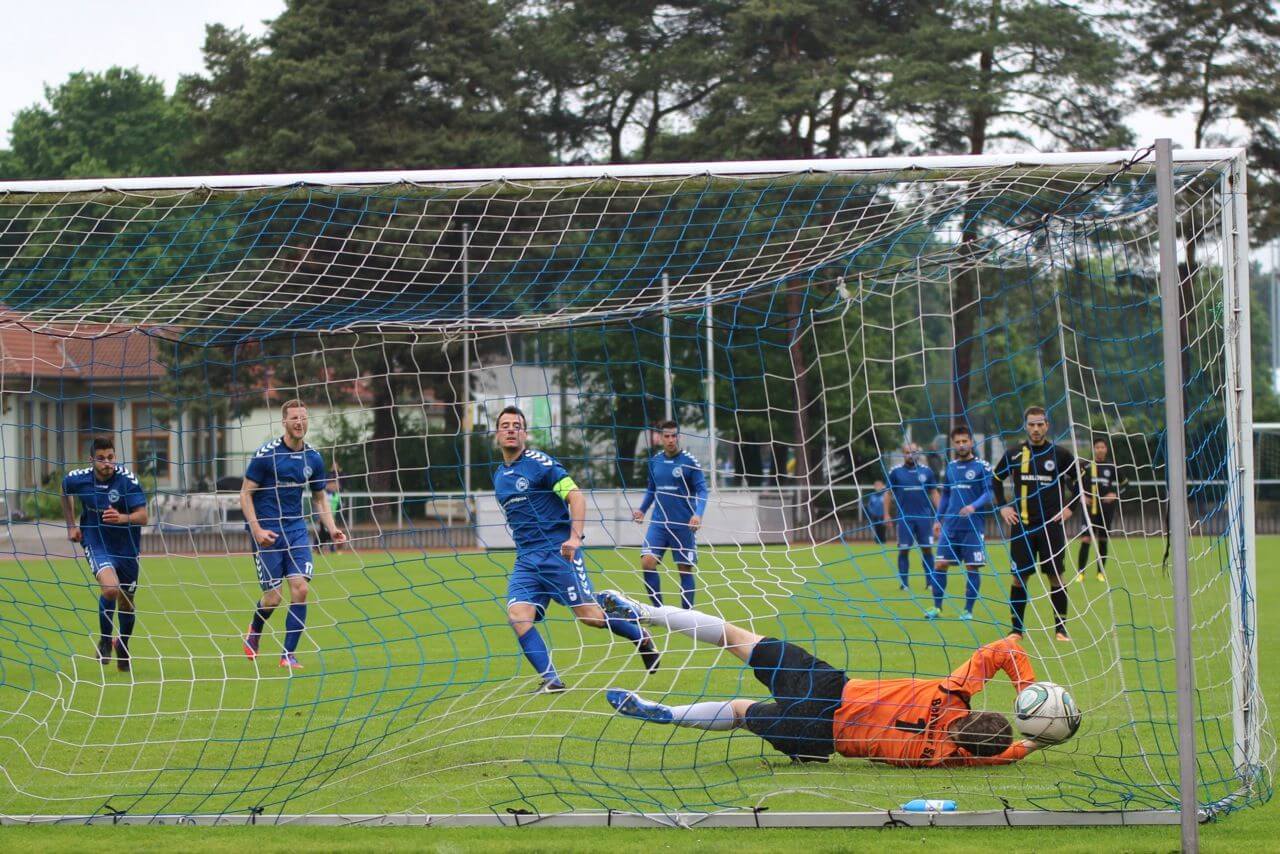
{"type": "Point", "coordinates": [49, 39]}
{"type": "Point", "coordinates": [163, 38]}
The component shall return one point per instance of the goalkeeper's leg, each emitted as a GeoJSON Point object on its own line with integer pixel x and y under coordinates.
{"type": "Point", "coordinates": [717, 715]}
{"type": "Point", "coordinates": [704, 628]}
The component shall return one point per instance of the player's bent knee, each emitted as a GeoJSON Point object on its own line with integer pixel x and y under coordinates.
{"type": "Point", "coordinates": [271, 598]}
{"type": "Point", "coordinates": [521, 617]}
{"type": "Point", "coordinates": [740, 707]}
{"type": "Point", "coordinates": [591, 615]}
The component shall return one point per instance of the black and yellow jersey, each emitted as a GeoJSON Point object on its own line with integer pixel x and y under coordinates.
{"type": "Point", "coordinates": [1098, 480]}
{"type": "Point", "coordinates": [1043, 480]}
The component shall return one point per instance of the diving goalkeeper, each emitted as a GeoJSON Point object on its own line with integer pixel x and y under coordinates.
{"type": "Point", "coordinates": [817, 710]}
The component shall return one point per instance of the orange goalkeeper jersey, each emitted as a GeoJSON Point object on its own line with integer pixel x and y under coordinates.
{"type": "Point", "coordinates": [905, 721]}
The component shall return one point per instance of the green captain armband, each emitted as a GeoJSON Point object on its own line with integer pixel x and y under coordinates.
{"type": "Point", "coordinates": [563, 487]}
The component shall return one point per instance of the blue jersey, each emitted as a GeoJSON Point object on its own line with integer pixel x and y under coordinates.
{"type": "Point", "coordinates": [964, 484]}
{"type": "Point", "coordinates": [121, 491]}
{"type": "Point", "coordinates": [678, 485]}
{"type": "Point", "coordinates": [874, 504]}
{"type": "Point", "coordinates": [532, 492]}
{"type": "Point", "coordinates": [283, 475]}
{"type": "Point", "coordinates": [911, 486]}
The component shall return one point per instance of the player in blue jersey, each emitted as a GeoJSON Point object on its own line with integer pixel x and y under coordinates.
{"type": "Point", "coordinates": [966, 492]}
{"type": "Point", "coordinates": [271, 498]}
{"type": "Point", "coordinates": [113, 509]}
{"type": "Point", "coordinates": [873, 506]}
{"type": "Point", "coordinates": [677, 491]}
{"type": "Point", "coordinates": [913, 490]}
{"type": "Point", "coordinates": [546, 512]}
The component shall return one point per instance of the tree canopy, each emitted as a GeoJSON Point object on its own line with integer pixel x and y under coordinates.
{"type": "Point", "coordinates": [114, 123]}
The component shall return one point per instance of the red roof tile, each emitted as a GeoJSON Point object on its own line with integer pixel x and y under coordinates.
{"type": "Point", "coordinates": [92, 352]}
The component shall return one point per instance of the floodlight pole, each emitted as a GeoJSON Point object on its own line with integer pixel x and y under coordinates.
{"type": "Point", "coordinates": [1176, 466]}
{"type": "Point", "coordinates": [465, 424]}
{"type": "Point", "coordinates": [666, 346]}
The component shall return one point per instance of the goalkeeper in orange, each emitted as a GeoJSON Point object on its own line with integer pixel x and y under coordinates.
{"type": "Point", "coordinates": [817, 710]}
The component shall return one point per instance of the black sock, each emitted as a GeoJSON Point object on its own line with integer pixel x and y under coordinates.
{"type": "Point", "coordinates": [1017, 606]}
{"type": "Point", "coordinates": [106, 616]}
{"type": "Point", "coordinates": [1084, 556]}
{"type": "Point", "coordinates": [126, 620]}
{"type": "Point", "coordinates": [1102, 554]}
{"type": "Point", "coordinates": [1058, 596]}
{"type": "Point", "coordinates": [260, 618]}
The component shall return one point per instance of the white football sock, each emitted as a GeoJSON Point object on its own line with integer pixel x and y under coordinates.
{"type": "Point", "coordinates": [704, 628]}
{"type": "Point", "coordinates": [712, 715]}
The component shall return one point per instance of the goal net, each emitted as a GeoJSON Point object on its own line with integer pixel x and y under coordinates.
{"type": "Point", "coordinates": [801, 322]}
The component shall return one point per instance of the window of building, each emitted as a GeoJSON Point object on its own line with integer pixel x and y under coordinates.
{"type": "Point", "coordinates": [152, 452]}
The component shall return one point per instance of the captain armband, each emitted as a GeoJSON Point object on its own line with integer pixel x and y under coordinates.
{"type": "Point", "coordinates": [563, 487]}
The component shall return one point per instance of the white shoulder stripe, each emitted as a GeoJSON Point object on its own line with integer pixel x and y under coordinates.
{"type": "Point", "coordinates": [268, 447]}
{"type": "Point", "coordinates": [539, 456]}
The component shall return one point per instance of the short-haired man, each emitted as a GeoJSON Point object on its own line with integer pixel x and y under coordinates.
{"type": "Point", "coordinates": [966, 492]}
{"type": "Point", "coordinates": [113, 509]}
{"type": "Point", "coordinates": [1100, 492]}
{"type": "Point", "coordinates": [913, 490]}
{"type": "Point", "coordinates": [546, 512]}
{"type": "Point", "coordinates": [817, 710]}
{"type": "Point", "coordinates": [1043, 476]}
{"type": "Point", "coordinates": [677, 490]}
{"type": "Point", "coordinates": [271, 498]}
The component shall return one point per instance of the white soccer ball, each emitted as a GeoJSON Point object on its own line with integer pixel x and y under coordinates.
{"type": "Point", "coordinates": [1046, 712]}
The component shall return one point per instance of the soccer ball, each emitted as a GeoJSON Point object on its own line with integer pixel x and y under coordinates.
{"type": "Point", "coordinates": [1045, 712]}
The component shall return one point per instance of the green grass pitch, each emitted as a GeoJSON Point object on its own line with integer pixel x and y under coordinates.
{"type": "Point", "coordinates": [415, 699]}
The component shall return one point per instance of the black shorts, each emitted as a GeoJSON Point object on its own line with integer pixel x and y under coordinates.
{"type": "Point", "coordinates": [1041, 545]}
{"type": "Point", "coordinates": [806, 693]}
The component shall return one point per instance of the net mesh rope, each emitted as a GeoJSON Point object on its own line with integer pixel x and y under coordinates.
{"type": "Point", "coordinates": [828, 308]}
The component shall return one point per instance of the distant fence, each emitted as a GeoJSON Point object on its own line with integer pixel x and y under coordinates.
{"type": "Point", "coordinates": [211, 523]}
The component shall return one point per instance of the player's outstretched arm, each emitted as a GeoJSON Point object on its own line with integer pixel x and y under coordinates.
{"type": "Point", "coordinates": [1013, 753]}
{"type": "Point", "coordinates": [1004, 654]}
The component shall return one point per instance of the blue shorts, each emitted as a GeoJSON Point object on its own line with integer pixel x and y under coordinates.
{"type": "Point", "coordinates": [289, 555]}
{"type": "Point", "coordinates": [126, 568]}
{"type": "Point", "coordinates": [962, 544]}
{"type": "Point", "coordinates": [681, 539]}
{"type": "Point", "coordinates": [915, 531]}
{"type": "Point", "coordinates": [546, 576]}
